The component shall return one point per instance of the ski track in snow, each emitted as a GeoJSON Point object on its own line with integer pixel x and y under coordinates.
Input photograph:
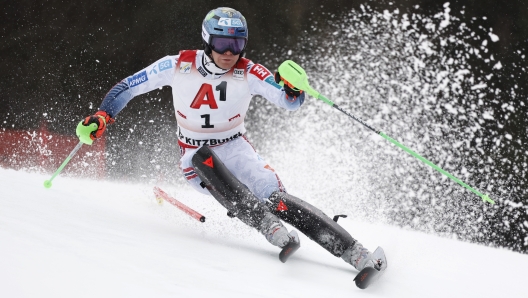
{"type": "Point", "coordinates": [87, 238]}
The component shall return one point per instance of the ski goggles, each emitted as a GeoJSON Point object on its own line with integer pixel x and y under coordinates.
{"type": "Point", "coordinates": [221, 44]}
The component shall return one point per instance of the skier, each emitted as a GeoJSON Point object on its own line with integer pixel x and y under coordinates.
{"type": "Point", "coordinates": [212, 89]}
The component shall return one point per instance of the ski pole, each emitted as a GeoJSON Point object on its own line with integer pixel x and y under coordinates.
{"type": "Point", "coordinates": [297, 77]}
{"type": "Point", "coordinates": [47, 183]}
{"type": "Point", "coordinates": [83, 132]}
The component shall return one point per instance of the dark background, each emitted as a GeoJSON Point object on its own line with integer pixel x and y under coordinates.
{"type": "Point", "coordinates": [61, 57]}
{"type": "Point", "coordinates": [60, 54]}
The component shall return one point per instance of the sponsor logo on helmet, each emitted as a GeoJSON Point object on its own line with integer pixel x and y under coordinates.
{"type": "Point", "coordinates": [260, 72]}
{"type": "Point", "coordinates": [164, 65]}
{"type": "Point", "coordinates": [238, 74]}
{"type": "Point", "coordinates": [229, 22]}
{"type": "Point", "coordinates": [137, 79]}
{"type": "Point", "coordinates": [228, 11]}
{"type": "Point", "coordinates": [210, 15]}
{"type": "Point", "coordinates": [205, 34]}
{"type": "Point", "coordinates": [185, 67]}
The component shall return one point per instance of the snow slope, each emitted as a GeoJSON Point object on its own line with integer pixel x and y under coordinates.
{"type": "Point", "coordinates": [85, 238]}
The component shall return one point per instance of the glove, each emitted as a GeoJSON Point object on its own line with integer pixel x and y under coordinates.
{"type": "Point", "coordinates": [290, 90]}
{"type": "Point", "coordinates": [88, 132]}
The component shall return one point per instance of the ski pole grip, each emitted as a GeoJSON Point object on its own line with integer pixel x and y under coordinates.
{"type": "Point", "coordinates": [84, 132]}
{"type": "Point", "coordinates": [297, 77]}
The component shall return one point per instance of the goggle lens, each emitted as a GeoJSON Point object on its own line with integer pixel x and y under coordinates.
{"type": "Point", "coordinates": [224, 44]}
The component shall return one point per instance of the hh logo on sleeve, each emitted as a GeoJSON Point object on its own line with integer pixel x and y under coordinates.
{"type": "Point", "coordinates": [260, 72]}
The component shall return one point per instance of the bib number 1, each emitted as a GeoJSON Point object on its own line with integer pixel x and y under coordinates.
{"type": "Point", "coordinates": [207, 118]}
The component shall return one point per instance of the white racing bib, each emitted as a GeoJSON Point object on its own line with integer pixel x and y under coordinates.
{"type": "Point", "coordinates": [208, 108]}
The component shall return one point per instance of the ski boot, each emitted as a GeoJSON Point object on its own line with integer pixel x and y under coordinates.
{"type": "Point", "coordinates": [359, 257]}
{"type": "Point", "coordinates": [277, 234]}
{"type": "Point", "coordinates": [370, 265]}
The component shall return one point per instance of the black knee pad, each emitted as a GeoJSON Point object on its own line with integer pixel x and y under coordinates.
{"type": "Point", "coordinates": [239, 201]}
{"type": "Point", "coordinates": [312, 222]}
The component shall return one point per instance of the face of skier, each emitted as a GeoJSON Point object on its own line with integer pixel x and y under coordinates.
{"type": "Point", "coordinates": [226, 60]}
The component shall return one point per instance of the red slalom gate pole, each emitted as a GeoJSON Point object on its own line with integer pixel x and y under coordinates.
{"type": "Point", "coordinates": [161, 194]}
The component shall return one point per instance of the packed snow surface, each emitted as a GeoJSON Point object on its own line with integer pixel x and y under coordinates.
{"type": "Point", "coordinates": [88, 238]}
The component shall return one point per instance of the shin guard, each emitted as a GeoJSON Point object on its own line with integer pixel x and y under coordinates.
{"type": "Point", "coordinates": [312, 222]}
{"type": "Point", "coordinates": [239, 201]}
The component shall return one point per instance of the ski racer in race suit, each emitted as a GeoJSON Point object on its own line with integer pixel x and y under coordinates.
{"type": "Point", "coordinates": [212, 89]}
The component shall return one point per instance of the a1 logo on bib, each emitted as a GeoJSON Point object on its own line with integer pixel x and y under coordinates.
{"type": "Point", "coordinates": [238, 74]}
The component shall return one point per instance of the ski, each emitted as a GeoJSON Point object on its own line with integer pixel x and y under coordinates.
{"type": "Point", "coordinates": [288, 251]}
{"type": "Point", "coordinates": [290, 248]}
{"type": "Point", "coordinates": [160, 194]}
{"type": "Point", "coordinates": [371, 274]}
